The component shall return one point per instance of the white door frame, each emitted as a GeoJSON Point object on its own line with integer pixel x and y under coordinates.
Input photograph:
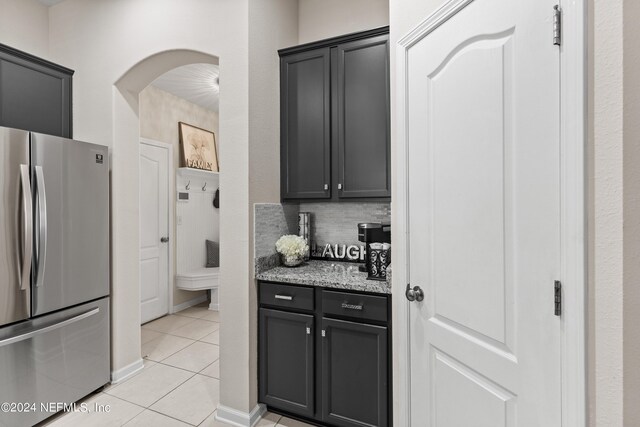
{"type": "Point", "coordinates": [171, 173]}
{"type": "Point", "coordinates": [573, 211]}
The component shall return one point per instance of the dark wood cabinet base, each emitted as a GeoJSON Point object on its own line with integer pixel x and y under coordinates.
{"type": "Point", "coordinates": [324, 355]}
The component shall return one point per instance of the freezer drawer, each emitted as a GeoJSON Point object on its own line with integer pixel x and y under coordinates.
{"type": "Point", "coordinates": [58, 358]}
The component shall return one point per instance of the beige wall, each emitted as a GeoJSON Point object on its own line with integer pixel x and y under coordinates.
{"type": "Point", "coordinates": [24, 25]}
{"type": "Point", "coordinates": [631, 212]}
{"type": "Point", "coordinates": [272, 25]}
{"type": "Point", "coordinates": [321, 19]}
{"type": "Point", "coordinates": [614, 209]}
{"type": "Point", "coordinates": [606, 214]}
{"type": "Point", "coordinates": [117, 47]}
{"type": "Point", "coordinates": [160, 113]}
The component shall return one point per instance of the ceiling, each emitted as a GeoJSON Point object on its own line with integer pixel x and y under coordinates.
{"type": "Point", "coordinates": [196, 83]}
{"type": "Point", "coordinates": [50, 2]}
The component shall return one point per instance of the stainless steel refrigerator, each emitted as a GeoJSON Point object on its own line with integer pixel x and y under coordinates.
{"type": "Point", "coordinates": [54, 273]}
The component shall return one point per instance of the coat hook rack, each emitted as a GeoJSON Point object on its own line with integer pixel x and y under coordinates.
{"type": "Point", "coordinates": [204, 187]}
{"type": "Point", "coordinates": [188, 185]}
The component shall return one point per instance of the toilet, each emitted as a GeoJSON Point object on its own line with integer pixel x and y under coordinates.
{"type": "Point", "coordinates": [202, 279]}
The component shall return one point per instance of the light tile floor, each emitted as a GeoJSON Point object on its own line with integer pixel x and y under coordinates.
{"type": "Point", "coordinates": [179, 384]}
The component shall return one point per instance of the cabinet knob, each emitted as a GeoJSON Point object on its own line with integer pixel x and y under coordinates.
{"type": "Point", "coordinates": [326, 187]}
{"type": "Point", "coordinates": [339, 186]}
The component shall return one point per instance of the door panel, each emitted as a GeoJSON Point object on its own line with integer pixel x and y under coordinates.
{"type": "Point", "coordinates": [286, 358]}
{"type": "Point", "coordinates": [486, 404]}
{"type": "Point", "coordinates": [354, 374]}
{"type": "Point", "coordinates": [483, 112]}
{"type": "Point", "coordinates": [70, 182]}
{"type": "Point", "coordinates": [154, 225]}
{"type": "Point", "coordinates": [305, 125]}
{"type": "Point", "coordinates": [362, 100]}
{"type": "Point", "coordinates": [15, 211]}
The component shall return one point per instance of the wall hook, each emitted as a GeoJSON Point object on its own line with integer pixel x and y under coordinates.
{"type": "Point", "coordinates": [188, 185]}
{"type": "Point", "coordinates": [204, 187]}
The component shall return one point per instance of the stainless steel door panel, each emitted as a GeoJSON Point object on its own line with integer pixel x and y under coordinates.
{"type": "Point", "coordinates": [60, 357]}
{"type": "Point", "coordinates": [70, 183]}
{"type": "Point", "coordinates": [15, 226]}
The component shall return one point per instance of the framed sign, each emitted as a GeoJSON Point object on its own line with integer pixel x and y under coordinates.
{"type": "Point", "coordinates": [197, 148]}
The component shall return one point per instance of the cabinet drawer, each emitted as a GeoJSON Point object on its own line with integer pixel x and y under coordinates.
{"type": "Point", "coordinates": [359, 306]}
{"type": "Point", "coordinates": [287, 296]}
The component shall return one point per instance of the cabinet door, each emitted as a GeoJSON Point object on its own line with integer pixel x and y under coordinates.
{"type": "Point", "coordinates": [34, 95]}
{"type": "Point", "coordinates": [354, 374]}
{"type": "Point", "coordinates": [286, 361]}
{"type": "Point", "coordinates": [305, 125]}
{"type": "Point", "coordinates": [363, 123]}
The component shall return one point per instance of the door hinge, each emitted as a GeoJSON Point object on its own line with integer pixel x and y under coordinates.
{"type": "Point", "coordinates": [557, 297]}
{"type": "Point", "coordinates": [557, 25]}
{"type": "Point", "coordinates": [324, 334]}
{"type": "Point", "coordinates": [308, 330]}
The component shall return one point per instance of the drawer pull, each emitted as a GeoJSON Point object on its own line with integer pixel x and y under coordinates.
{"type": "Point", "coordinates": [284, 297]}
{"type": "Point", "coordinates": [352, 306]}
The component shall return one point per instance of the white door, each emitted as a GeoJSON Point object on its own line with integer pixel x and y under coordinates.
{"type": "Point", "coordinates": [154, 231]}
{"type": "Point", "coordinates": [484, 218]}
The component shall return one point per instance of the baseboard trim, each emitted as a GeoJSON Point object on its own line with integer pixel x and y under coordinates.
{"type": "Point", "coordinates": [126, 372]}
{"type": "Point", "coordinates": [190, 303]}
{"type": "Point", "coordinates": [224, 414]}
{"type": "Point", "coordinates": [214, 307]}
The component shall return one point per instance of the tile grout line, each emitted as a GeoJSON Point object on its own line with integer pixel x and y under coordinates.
{"type": "Point", "coordinates": [174, 389]}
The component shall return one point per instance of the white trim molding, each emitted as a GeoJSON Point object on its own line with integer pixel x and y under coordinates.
{"type": "Point", "coordinates": [573, 82]}
{"type": "Point", "coordinates": [573, 125]}
{"type": "Point", "coordinates": [231, 416]}
{"type": "Point", "coordinates": [126, 372]}
{"type": "Point", "coordinates": [190, 303]}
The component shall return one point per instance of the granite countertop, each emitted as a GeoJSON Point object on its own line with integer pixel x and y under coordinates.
{"type": "Point", "coordinates": [329, 274]}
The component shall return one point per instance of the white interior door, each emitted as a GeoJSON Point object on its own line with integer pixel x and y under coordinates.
{"type": "Point", "coordinates": [154, 231]}
{"type": "Point", "coordinates": [484, 218]}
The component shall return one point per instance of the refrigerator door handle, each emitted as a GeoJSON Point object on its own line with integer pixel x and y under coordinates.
{"type": "Point", "coordinates": [49, 328]}
{"type": "Point", "coordinates": [26, 246]}
{"type": "Point", "coordinates": [41, 246]}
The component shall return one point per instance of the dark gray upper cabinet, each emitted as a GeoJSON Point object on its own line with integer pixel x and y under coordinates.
{"type": "Point", "coordinates": [305, 125]}
{"type": "Point", "coordinates": [35, 94]}
{"type": "Point", "coordinates": [354, 374]}
{"type": "Point", "coordinates": [287, 361]}
{"type": "Point", "coordinates": [362, 109]}
{"type": "Point", "coordinates": [335, 138]}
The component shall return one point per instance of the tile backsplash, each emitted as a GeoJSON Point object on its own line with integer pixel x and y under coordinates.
{"type": "Point", "coordinates": [338, 222]}
{"type": "Point", "coordinates": [330, 222]}
{"type": "Point", "coordinates": [272, 220]}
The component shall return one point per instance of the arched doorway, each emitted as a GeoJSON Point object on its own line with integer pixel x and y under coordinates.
{"type": "Point", "coordinates": [126, 358]}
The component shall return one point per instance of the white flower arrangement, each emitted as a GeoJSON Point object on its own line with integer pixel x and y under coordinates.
{"type": "Point", "coordinates": [292, 247]}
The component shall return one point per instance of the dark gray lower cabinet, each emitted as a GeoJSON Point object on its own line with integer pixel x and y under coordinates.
{"type": "Point", "coordinates": [287, 361]}
{"type": "Point", "coordinates": [354, 374]}
{"type": "Point", "coordinates": [324, 354]}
